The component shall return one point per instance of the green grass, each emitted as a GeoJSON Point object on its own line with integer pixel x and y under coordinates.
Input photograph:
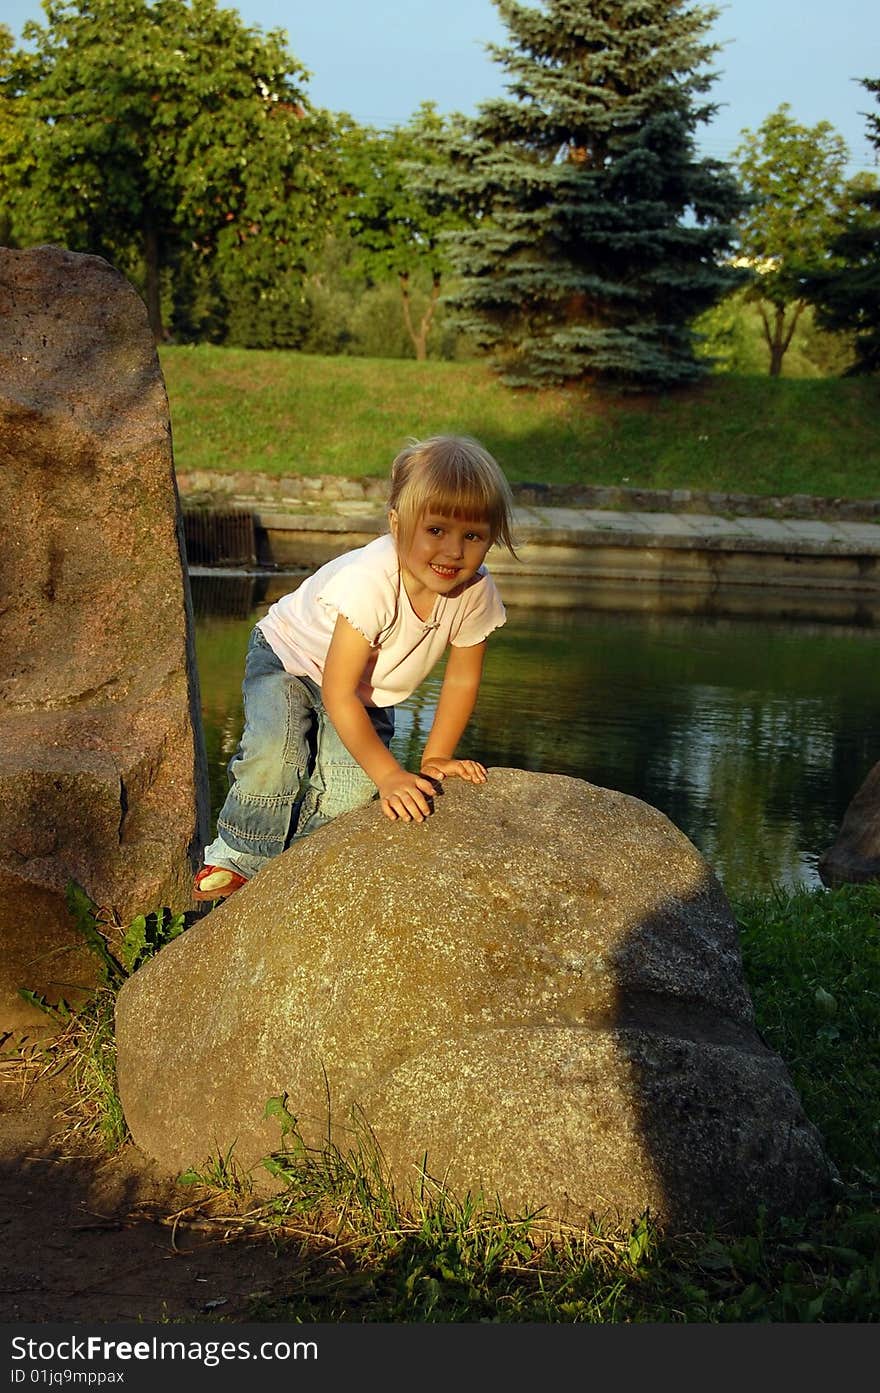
{"type": "Point", "coordinates": [291, 413]}
{"type": "Point", "coordinates": [813, 965]}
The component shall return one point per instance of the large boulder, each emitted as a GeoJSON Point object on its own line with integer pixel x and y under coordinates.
{"type": "Point", "coordinates": [855, 854]}
{"type": "Point", "coordinates": [539, 988]}
{"type": "Point", "coordinates": [102, 774]}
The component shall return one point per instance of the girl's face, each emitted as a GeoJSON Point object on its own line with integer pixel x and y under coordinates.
{"type": "Point", "coordinates": [443, 554]}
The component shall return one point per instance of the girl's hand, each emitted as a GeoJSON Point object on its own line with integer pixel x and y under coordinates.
{"type": "Point", "coordinates": [406, 796]}
{"type": "Point", "coordinates": [468, 769]}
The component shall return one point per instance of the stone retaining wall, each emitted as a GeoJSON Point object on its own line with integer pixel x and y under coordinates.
{"type": "Point", "coordinates": [213, 488]}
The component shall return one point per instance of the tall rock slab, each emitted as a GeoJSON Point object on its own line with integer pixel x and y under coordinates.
{"type": "Point", "coordinates": [540, 988]}
{"type": "Point", "coordinates": [854, 857]}
{"type": "Point", "coordinates": [102, 776]}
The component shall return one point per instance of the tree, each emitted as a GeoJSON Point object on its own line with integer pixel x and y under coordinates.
{"type": "Point", "coordinates": [794, 178]}
{"type": "Point", "coordinates": [8, 137]}
{"type": "Point", "coordinates": [598, 234]}
{"type": "Point", "coordinates": [396, 226]}
{"type": "Point", "coordinates": [731, 336]}
{"type": "Point", "coordinates": [154, 131]}
{"type": "Point", "coordinates": [847, 294]}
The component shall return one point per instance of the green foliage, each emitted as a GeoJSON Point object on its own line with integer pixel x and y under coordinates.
{"type": "Point", "coordinates": [85, 917]}
{"type": "Point", "coordinates": [10, 138]}
{"type": "Point", "coordinates": [349, 312]}
{"type": "Point", "coordinates": [847, 297]}
{"type": "Point", "coordinates": [794, 178]}
{"type": "Point", "coordinates": [58, 1011]}
{"type": "Point", "coordinates": [86, 1044]}
{"type": "Point", "coordinates": [258, 316]}
{"type": "Point", "coordinates": [814, 961]}
{"type": "Point", "coordinates": [146, 934]}
{"type": "Point", "coordinates": [432, 1255]}
{"type": "Point", "coordinates": [142, 938]}
{"type": "Point", "coordinates": [597, 233]}
{"type": "Point", "coordinates": [155, 132]}
{"type": "Point", "coordinates": [394, 231]}
{"type": "Point", "coordinates": [395, 227]}
{"type": "Point", "coordinates": [847, 294]}
{"type": "Point", "coordinates": [221, 1173]}
{"type": "Point", "coordinates": [732, 336]}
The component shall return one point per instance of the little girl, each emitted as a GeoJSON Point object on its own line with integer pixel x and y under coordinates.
{"type": "Point", "coordinates": [327, 665]}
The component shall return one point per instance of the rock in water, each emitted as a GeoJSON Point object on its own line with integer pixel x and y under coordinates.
{"type": "Point", "coordinates": [101, 767]}
{"type": "Point", "coordinates": [855, 855]}
{"type": "Point", "coordinates": [540, 987]}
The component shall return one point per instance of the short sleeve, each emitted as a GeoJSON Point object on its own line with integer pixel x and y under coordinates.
{"type": "Point", "coordinates": [365, 597]}
{"type": "Point", "coordinates": [482, 612]}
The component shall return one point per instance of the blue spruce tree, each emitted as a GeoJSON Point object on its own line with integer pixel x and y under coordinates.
{"type": "Point", "coordinates": [600, 234]}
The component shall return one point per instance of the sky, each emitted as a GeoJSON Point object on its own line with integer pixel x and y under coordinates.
{"type": "Point", "coordinates": [379, 59]}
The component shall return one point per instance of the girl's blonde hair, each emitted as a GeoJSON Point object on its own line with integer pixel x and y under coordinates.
{"type": "Point", "coordinates": [452, 475]}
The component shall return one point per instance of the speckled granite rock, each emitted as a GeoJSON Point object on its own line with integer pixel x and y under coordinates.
{"type": "Point", "coordinates": [101, 771]}
{"type": "Point", "coordinates": [540, 987]}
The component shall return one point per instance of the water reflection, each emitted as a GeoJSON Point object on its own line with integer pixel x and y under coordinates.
{"type": "Point", "coordinates": [750, 734]}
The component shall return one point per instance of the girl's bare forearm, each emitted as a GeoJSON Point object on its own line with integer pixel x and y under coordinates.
{"type": "Point", "coordinates": [454, 710]}
{"type": "Point", "coordinates": [458, 697]}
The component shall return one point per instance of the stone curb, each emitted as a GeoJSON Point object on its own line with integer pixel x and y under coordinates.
{"type": "Point", "coordinates": [210, 488]}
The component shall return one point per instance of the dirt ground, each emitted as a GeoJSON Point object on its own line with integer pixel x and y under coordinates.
{"type": "Point", "coordinates": [89, 1237]}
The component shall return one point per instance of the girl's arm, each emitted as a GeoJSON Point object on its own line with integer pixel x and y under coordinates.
{"type": "Point", "coordinates": [403, 795]}
{"type": "Point", "coordinates": [458, 696]}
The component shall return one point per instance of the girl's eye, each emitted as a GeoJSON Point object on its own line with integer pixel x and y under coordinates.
{"type": "Point", "coordinates": [435, 531]}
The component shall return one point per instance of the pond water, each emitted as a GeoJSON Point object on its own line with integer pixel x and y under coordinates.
{"type": "Point", "coordinates": [751, 734]}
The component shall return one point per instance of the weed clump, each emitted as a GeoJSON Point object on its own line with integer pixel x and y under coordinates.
{"type": "Point", "coordinates": [85, 1046]}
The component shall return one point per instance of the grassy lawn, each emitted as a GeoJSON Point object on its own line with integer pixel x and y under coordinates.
{"type": "Point", "coordinates": [291, 413]}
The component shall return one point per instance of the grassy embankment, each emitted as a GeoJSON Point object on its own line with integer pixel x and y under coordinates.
{"type": "Point", "coordinates": [290, 413]}
{"type": "Point", "coordinates": [812, 962]}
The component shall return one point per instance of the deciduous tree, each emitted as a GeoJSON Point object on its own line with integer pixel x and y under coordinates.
{"type": "Point", "coordinates": [794, 178]}
{"type": "Point", "coordinates": [397, 225]}
{"type": "Point", "coordinates": [155, 130]}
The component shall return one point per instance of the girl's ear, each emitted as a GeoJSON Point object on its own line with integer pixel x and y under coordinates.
{"type": "Point", "coordinates": [393, 522]}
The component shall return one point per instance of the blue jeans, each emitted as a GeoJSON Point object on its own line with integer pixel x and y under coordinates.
{"type": "Point", "coordinates": [291, 772]}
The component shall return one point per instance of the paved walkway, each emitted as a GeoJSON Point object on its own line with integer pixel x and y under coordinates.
{"type": "Point", "coordinates": [700, 531]}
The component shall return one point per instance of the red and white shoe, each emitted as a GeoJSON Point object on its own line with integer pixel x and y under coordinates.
{"type": "Point", "coordinates": [216, 882]}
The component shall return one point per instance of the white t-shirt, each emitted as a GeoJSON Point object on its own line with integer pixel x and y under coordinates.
{"type": "Point", "coordinates": [365, 586]}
